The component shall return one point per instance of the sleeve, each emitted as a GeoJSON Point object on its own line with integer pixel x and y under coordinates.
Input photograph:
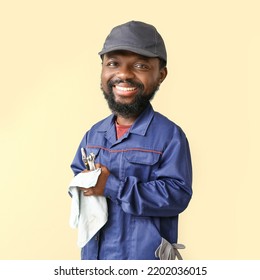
{"type": "Point", "coordinates": [168, 195]}
{"type": "Point", "coordinates": [77, 164]}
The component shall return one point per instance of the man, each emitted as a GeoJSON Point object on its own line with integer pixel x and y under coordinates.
{"type": "Point", "coordinates": [145, 163]}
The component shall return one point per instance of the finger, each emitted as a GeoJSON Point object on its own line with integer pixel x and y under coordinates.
{"type": "Point", "coordinates": [98, 165]}
{"type": "Point", "coordinates": [85, 171]}
{"type": "Point", "coordinates": [88, 192]}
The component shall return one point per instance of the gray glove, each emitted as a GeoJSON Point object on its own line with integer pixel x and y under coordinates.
{"type": "Point", "coordinates": [168, 251]}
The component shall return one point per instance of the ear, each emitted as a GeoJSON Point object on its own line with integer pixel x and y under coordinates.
{"type": "Point", "coordinates": [163, 74]}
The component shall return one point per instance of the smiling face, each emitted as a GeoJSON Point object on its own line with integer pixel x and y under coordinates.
{"type": "Point", "coordinates": [129, 81]}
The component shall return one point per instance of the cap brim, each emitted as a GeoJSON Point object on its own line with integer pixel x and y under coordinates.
{"type": "Point", "coordinates": [131, 49]}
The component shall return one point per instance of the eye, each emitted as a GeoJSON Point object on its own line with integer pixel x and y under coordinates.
{"type": "Point", "coordinates": [112, 63]}
{"type": "Point", "coordinates": [142, 66]}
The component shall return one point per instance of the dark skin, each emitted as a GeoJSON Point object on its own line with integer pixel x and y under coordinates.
{"type": "Point", "coordinates": [101, 183]}
{"type": "Point", "coordinates": [125, 65]}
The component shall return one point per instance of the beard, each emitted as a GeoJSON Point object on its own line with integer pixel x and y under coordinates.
{"type": "Point", "coordinates": [133, 109]}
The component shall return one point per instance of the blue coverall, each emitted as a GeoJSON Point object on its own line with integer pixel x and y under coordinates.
{"type": "Point", "coordinates": [149, 185]}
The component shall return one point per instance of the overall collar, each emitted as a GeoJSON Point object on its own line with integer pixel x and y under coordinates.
{"type": "Point", "coordinates": [139, 127]}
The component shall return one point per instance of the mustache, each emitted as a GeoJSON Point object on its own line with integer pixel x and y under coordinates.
{"type": "Point", "coordinates": [130, 82]}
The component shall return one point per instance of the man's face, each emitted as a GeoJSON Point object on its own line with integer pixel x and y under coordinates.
{"type": "Point", "coordinates": [129, 81]}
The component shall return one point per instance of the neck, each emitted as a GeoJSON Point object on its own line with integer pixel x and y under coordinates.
{"type": "Point", "coordinates": [125, 121]}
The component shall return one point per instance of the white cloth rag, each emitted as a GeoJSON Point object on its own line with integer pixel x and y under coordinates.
{"type": "Point", "coordinates": [88, 213]}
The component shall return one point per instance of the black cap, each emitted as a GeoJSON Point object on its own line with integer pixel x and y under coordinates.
{"type": "Point", "coordinates": [137, 37]}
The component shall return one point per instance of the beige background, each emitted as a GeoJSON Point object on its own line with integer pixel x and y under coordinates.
{"type": "Point", "coordinates": [49, 86]}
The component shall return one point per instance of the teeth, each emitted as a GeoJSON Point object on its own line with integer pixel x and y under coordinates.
{"type": "Point", "coordinates": [125, 88]}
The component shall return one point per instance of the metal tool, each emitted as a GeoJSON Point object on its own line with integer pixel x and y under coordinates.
{"type": "Point", "coordinates": [88, 160]}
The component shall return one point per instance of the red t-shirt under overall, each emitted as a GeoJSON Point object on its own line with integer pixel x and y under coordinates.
{"type": "Point", "coordinates": [121, 130]}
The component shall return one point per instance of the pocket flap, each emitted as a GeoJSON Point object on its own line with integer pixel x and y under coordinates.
{"type": "Point", "coordinates": [142, 157]}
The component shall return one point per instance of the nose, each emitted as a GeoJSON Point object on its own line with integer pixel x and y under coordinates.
{"type": "Point", "coordinates": [125, 72]}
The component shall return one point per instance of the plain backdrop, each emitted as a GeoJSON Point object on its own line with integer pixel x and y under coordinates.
{"type": "Point", "coordinates": [50, 96]}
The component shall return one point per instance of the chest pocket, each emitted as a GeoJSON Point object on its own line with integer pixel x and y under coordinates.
{"type": "Point", "coordinates": [141, 164]}
{"type": "Point", "coordinates": [141, 157]}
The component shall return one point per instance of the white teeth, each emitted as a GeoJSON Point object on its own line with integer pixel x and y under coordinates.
{"type": "Point", "coordinates": [125, 88]}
